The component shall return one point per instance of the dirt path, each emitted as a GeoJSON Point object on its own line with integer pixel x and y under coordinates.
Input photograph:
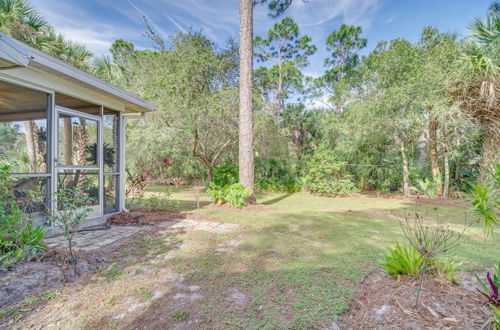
{"type": "Point", "coordinates": [139, 282]}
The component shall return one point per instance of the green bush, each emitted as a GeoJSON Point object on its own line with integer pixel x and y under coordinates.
{"type": "Point", "coordinates": [217, 193]}
{"type": "Point", "coordinates": [403, 260]}
{"type": "Point", "coordinates": [237, 195]}
{"type": "Point", "coordinates": [19, 238]}
{"type": "Point", "coordinates": [324, 173]}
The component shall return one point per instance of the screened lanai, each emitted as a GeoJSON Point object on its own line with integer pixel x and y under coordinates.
{"type": "Point", "coordinates": [61, 129]}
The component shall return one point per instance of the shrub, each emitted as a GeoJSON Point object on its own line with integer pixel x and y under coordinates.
{"type": "Point", "coordinates": [324, 173]}
{"type": "Point", "coordinates": [19, 238]}
{"type": "Point", "coordinates": [237, 195]}
{"type": "Point", "coordinates": [217, 193]}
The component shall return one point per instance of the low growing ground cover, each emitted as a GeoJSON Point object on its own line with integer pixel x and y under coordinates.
{"type": "Point", "coordinates": [296, 261]}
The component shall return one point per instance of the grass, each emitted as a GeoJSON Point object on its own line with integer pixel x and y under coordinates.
{"type": "Point", "coordinates": [301, 261]}
{"type": "Point", "coordinates": [297, 264]}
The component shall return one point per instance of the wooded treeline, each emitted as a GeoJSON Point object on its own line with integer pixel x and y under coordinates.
{"type": "Point", "coordinates": [409, 116]}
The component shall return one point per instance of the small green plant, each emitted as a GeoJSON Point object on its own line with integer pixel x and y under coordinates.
{"type": "Point", "coordinates": [324, 173]}
{"type": "Point", "coordinates": [180, 316]}
{"type": "Point", "coordinates": [448, 269]}
{"type": "Point", "coordinates": [485, 199]}
{"type": "Point", "coordinates": [73, 211]}
{"type": "Point", "coordinates": [237, 195]}
{"type": "Point", "coordinates": [403, 260]}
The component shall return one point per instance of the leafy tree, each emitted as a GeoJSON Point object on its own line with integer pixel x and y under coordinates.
{"type": "Point", "coordinates": [195, 87]}
{"type": "Point", "coordinates": [343, 46]}
{"type": "Point", "coordinates": [325, 173]}
{"type": "Point", "coordinates": [287, 52]}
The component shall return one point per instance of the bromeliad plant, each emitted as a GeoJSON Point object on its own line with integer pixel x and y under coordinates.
{"type": "Point", "coordinates": [73, 211]}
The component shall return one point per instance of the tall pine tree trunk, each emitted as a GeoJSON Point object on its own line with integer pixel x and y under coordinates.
{"type": "Point", "coordinates": [406, 167]}
{"type": "Point", "coordinates": [246, 159]}
{"type": "Point", "coordinates": [433, 155]}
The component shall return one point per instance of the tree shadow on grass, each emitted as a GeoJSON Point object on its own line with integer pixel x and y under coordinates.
{"type": "Point", "coordinates": [277, 199]}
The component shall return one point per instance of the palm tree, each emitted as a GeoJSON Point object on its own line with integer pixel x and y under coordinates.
{"type": "Point", "coordinates": [21, 21]}
{"type": "Point", "coordinates": [482, 57]}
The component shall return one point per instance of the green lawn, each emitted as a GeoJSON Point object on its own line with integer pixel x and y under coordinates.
{"type": "Point", "coordinates": [300, 260]}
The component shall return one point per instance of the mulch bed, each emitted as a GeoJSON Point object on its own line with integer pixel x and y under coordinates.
{"type": "Point", "coordinates": [141, 217]}
{"type": "Point", "coordinates": [48, 271]}
{"type": "Point", "coordinates": [383, 302]}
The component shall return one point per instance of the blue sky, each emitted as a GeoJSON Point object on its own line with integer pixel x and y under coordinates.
{"type": "Point", "coordinates": [97, 23]}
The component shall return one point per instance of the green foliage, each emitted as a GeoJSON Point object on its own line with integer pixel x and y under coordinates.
{"type": "Point", "coordinates": [276, 175]}
{"type": "Point", "coordinates": [180, 315]}
{"type": "Point", "coordinates": [225, 174]}
{"type": "Point", "coordinates": [237, 195]}
{"type": "Point", "coordinates": [448, 269]}
{"type": "Point", "coordinates": [427, 186]}
{"type": "Point", "coordinates": [324, 173]}
{"type": "Point", "coordinates": [19, 238]}
{"type": "Point", "coordinates": [485, 199]}
{"type": "Point", "coordinates": [403, 260]}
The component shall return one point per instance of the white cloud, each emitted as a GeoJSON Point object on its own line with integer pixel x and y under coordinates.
{"type": "Point", "coordinates": [80, 26]}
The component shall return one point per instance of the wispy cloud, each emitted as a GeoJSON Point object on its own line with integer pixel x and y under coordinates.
{"type": "Point", "coordinates": [175, 23]}
{"type": "Point", "coordinates": [158, 29]}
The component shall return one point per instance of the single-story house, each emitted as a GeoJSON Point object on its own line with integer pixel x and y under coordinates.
{"type": "Point", "coordinates": [62, 128]}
